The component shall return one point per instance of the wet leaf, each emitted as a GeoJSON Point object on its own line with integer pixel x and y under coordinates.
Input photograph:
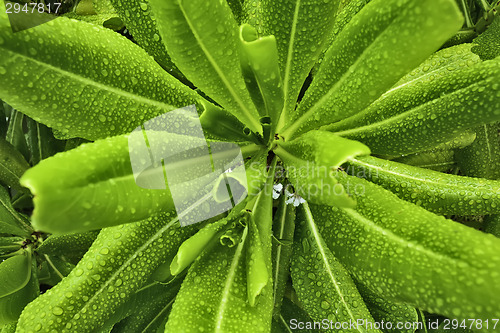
{"type": "Point", "coordinates": [100, 95]}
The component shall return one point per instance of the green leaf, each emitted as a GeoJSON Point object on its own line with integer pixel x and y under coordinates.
{"type": "Point", "coordinates": [220, 124]}
{"type": "Point", "coordinates": [259, 248]}
{"type": "Point", "coordinates": [11, 222]}
{"type": "Point", "coordinates": [301, 29]}
{"type": "Point", "coordinates": [259, 62]}
{"type": "Point", "coordinates": [482, 158]}
{"type": "Point", "coordinates": [25, 285]}
{"type": "Point", "coordinates": [345, 14]}
{"type": "Point", "coordinates": [201, 37]}
{"type": "Point", "coordinates": [310, 160]}
{"type": "Point", "coordinates": [12, 165]}
{"type": "Point", "coordinates": [15, 272]}
{"type": "Point", "coordinates": [430, 81]}
{"type": "Point", "coordinates": [283, 231]}
{"type": "Point", "coordinates": [488, 43]}
{"type": "Point", "coordinates": [41, 142]}
{"type": "Point", "coordinates": [107, 276]}
{"type": "Point", "coordinates": [139, 19]}
{"type": "Point", "coordinates": [195, 245]}
{"type": "Point", "coordinates": [107, 20]}
{"type": "Point", "coordinates": [323, 285]}
{"type": "Point", "coordinates": [15, 133]}
{"type": "Point", "coordinates": [237, 9]}
{"type": "Point", "coordinates": [9, 328]}
{"type": "Point", "coordinates": [72, 246]}
{"type": "Point", "coordinates": [441, 160]}
{"type": "Point", "coordinates": [386, 311]}
{"type": "Point", "coordinates": [258, 274]}
{"type": "Point", "coordinates": [290, 317]}
{"type": "Point", "coordinates": [371, 54]}
{"type": "Point", "coordinates": [471, 101]}
{"type": "Point", "coordinates": [94, 93]}
{"type": "Point", "coordinates": [145, 310]}
{"type": "Point", "coordinates": [85, 188]}
{"type": "Point", "coordinates": [252, 14]}
{"type": "Point", "coordinates": [56, 269]}
{"type": "Point", "coordinates": [395, 248]}
{"type": "Point", "coordinates": [10, 245]}
{"type": "Point", "coordinates": [492, 225]}
{"type": "Point", "coordinates": [214, 295]}
{"type": "Point", "coordinates": [438, 192]}
{"type": "Point", "coordinates": [3, 120]}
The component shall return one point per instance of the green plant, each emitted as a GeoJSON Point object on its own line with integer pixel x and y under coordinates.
{"type": "Point", "coordinates": [377, 100]}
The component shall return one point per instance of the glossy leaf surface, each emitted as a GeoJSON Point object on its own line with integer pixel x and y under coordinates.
{"type": "Point", "coordinates": [206, 51]}
{"type": "Point", "coordinates": [394, 247]}
{"type": "Point", "coordinates": [95, 99]}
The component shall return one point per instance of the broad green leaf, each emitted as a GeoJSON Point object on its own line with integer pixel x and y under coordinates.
{"type": "Point", "coordinates": [259, 63]}
{"type": "Point", "coordinates": [371, 54]}
{"type": "Point", "coordinates": [471, 101]}
{"type": "Point", "coordinates": [395, 248]}
{"type": "Point", "coordinates": [11, 221]}
{"type": "Point", "coordinates": [145, 310]}
{"type": "Point", "coordinates": [72, 246]}
{"type": "Point", "coordinates": [301, 28]}
{"type": "Point", "coordinates": [323, 285]}
{"type": "Point", "coordinates": [83, 189]}
{"type": "Point", "coordinates": [12, 165]}
{"type": "Point", "coordinates": [107, 276]}
{"type": "Point", "coordinates": [92, 83]}
{"type": "Point", "coordinates": [195, 245]}
{"type": "Point", "coordinates": [15, 273]}
{"type": "Point", "coordinates": [202, 38]}
{"type": "Point", "coordinates": [438, 192]}
{"type": "Point", "coordinates": [430, 81]}
{"type": "Point", "coordinates": [482, 158]}
{"type": "Point", "coordinates": [142, 25]}
{"type": "Point", "coordinates": [310, 161]}
{"type": "Point", "coordinates": [488, 44]}
{"type": "Point", "coordinates": [12, 304]}
{"type": "Point", "coordinates": [213, 295]}
{"type": "Point", "coordinates": [283, 231]}
{"type": "Point", "coordinates": [41, 142]}
{"type": "Point", "coordinates": [385, 311]}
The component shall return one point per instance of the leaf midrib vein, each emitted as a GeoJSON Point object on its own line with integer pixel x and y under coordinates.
{"type": "Point", "coordinates": [229, 281]}
{"type": "Point", "coordinates": [315, 233]}
{"type": "Point", "coordinates": [218, 70]}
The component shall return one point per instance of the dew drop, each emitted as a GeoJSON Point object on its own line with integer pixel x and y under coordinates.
{"type": "Point", "coordinates": [57, 311]}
